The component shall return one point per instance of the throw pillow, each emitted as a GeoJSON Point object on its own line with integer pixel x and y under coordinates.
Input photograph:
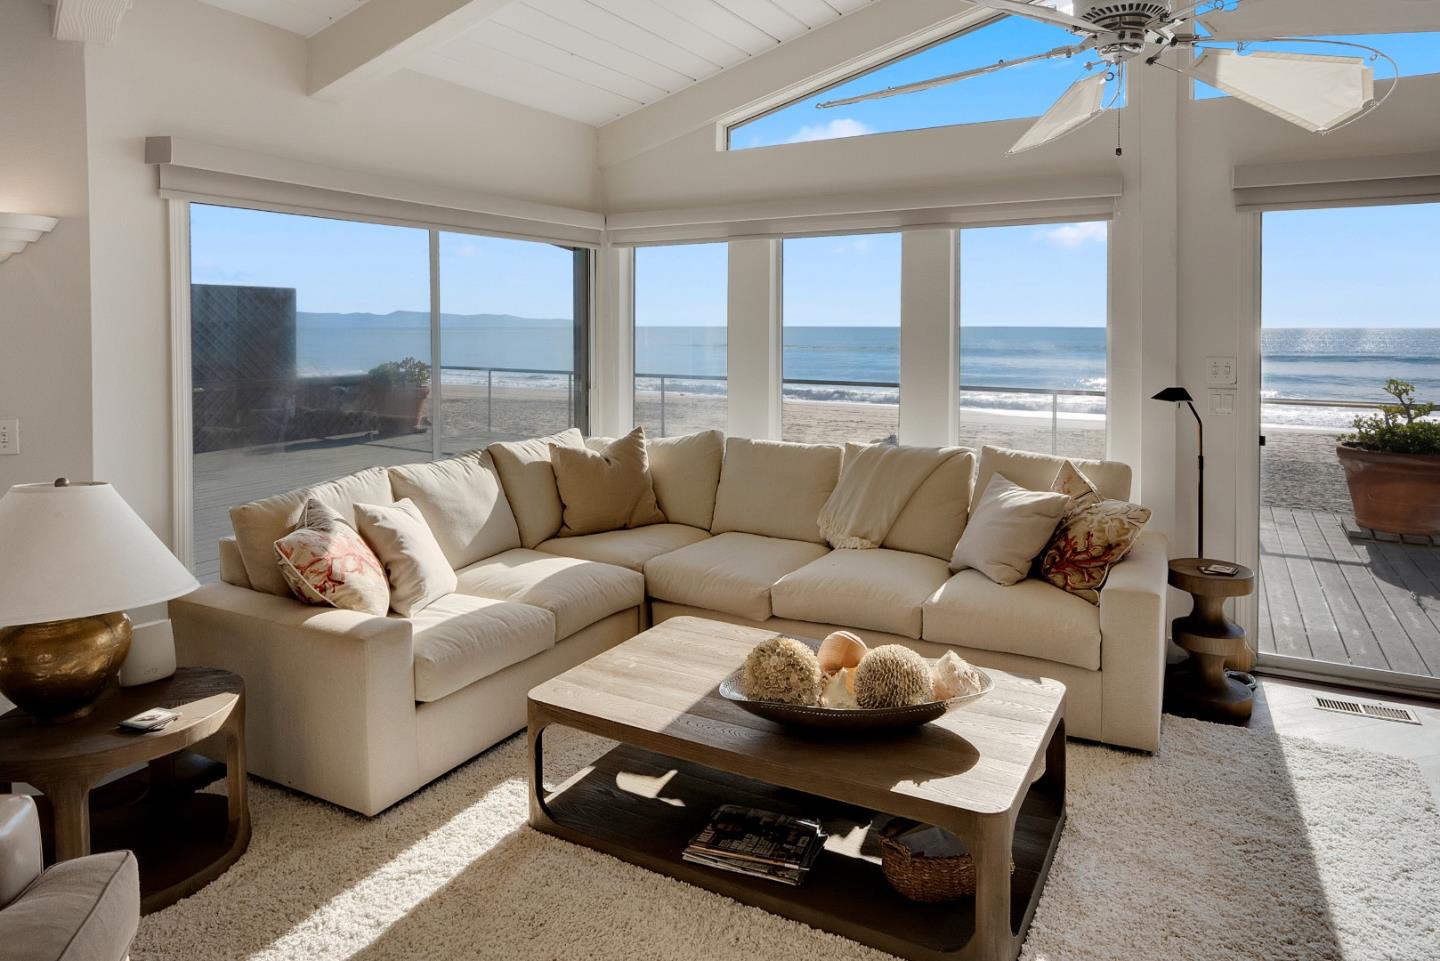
{"type": "Point", "coordinates": [529, 483]}
{"type": "Point", "coordinates": [1008, 528]}
{"type": "Point", "coordinates": [606, 489]}
{"type": "Point", "coordinates": [1075, 485]}
{"type": "Point", "coordinates": [324, 561]}
{"type": "Point", "coordinates": [416, 566]}
{"type": "Point", "coordinates": [1090, 540]}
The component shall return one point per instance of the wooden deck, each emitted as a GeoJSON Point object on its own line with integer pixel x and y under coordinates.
{"type": "Point", "coordinates": [1329, 597]}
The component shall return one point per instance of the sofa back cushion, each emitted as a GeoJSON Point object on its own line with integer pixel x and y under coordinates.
{"type": "Point", "coordinates": [529, 483]}
{"type": "Point", "coordinates": [686, 472]}
{"type": "Point", "coordinates": [1037, 472]}
{"type": "Point", "coordinates": [934, 517]}
{"type": "Point", "coordinates": [461, 499]}
{"type": "Point", "coordinates": [774, 488]}
{"type": "Point", "coordinates": [259, 524]}
{"type": "Point", "coordinates": [606, 489]}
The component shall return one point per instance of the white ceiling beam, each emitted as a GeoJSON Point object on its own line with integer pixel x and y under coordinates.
{"type": "Point", "coordinates": [381, 37]}
{"type": "Point", "coordinates": [87, 21]}
{"type": "Point", "coordinates": [1310, 18]}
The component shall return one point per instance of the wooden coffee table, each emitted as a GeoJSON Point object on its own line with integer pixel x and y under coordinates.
{"type": "Point", "coordinates": [992, 772]}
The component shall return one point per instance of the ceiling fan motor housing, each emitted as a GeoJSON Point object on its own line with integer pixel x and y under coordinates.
{"type": "Point", "coordinates": [1125, 19]}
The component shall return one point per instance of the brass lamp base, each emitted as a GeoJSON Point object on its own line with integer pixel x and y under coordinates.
{"type": "Point", "coordinates": [56, 670]}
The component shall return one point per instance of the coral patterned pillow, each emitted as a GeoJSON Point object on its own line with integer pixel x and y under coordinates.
{"type": "Point", "coordinates": [1091, 538]}
{"type": "Point", "coordinates": [324, 561]}
{"type": "Point", "coordinates": [1075, 485]}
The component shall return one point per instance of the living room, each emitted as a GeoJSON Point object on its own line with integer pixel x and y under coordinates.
{"type": "Point", "coordinates": [503, 436]}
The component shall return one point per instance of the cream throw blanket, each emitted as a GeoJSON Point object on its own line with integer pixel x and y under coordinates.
{"type": "Point", "coordinates": [875, 485]}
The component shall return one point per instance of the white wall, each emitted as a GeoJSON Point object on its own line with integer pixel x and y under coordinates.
{"type": "Point", "coordinates": [189, 70]}
{"type": "Point", "coordinates": [44, 299]}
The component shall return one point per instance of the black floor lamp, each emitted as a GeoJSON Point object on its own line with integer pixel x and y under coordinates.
{"type": "Point", "coordinates": [1179, 395]}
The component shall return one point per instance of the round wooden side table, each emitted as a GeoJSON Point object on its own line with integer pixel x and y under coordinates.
{"type": "Point", "coordinates": [182, 839]}
{"type": "Point", "coordinates": [1201, 687]}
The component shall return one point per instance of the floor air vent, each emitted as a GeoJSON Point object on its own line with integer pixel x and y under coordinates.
{"type": "Point", "coordinates": [1384, 712]}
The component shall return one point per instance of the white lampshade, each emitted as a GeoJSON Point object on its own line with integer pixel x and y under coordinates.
{"type": "Point", "coordinates": [79, 550]}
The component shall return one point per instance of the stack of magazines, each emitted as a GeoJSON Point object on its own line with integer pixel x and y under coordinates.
{"type": "Point", "coordinates": [760, 844]}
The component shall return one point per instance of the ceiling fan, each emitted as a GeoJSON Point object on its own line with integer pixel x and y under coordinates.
{"type": "Point", "coordinates": [1319, 93]}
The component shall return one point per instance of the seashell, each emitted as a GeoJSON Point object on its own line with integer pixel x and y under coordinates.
{"type": "Point", "coordinates": [782, 669]}
{"type": "Point", "coordinates": [839, 692]}
{"type": "Point", "coordinates": [953, 676]}
{"type": "Point", "coordinates": [839, 650]}
{"type": "Point", "coordinates": [892, 676]}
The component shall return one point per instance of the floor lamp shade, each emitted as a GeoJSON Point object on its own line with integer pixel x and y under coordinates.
{"type": "Point", "coordinates": [74, 558]}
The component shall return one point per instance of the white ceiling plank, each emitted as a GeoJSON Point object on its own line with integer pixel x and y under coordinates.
{"type": "Point", "coordinates": [563, 61]}
{"type": "Point", "coordinates": [848, 6]}
{"type": "Point", "coordinates": [766, 15]}
{"type": "Point", "coordinates": [582, 43]}
{"type": "Point", "coordinates": [382, 36]}
{"type": "Point", "coordinates": [285, 14]}
{"type": "Point", "coordinates": [669, 41]}
{"type": "Point", "coordinates": [812, 13]}
{"type": "Point", "coordinates": [713, 18]}
{"type": "Point", "coordinates": [498, 73]}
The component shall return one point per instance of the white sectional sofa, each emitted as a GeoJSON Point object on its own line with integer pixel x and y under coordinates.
{"type": "Point", "coordinates": [362, 710]}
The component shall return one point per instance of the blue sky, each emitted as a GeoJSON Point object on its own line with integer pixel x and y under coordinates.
{"type": "Point", "coordinates": [1339, 268]}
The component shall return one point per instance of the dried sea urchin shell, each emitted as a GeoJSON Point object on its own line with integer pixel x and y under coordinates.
{"type": "Point", "coordinates": [892, 676]}
{"type": "Point", "coordinates": [782, 669]}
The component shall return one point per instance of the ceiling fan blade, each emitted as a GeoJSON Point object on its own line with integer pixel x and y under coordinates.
{"type": "Point", "coordinates": [1036, 12]}
{"type": "Point", "coordinates": [1317, 93]}
{"type": "Point", "coordinates": [961, 75]}
{"type": "Point", "coordinates": [1079, 105]}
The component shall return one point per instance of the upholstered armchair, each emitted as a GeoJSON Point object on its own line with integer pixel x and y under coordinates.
{"type": "Point", "coordinates": [86, 909]}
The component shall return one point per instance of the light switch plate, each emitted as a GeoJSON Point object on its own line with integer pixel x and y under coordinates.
{"type": "Point", "coordinates": [1220, 371]}
{"type": "Point", "coordinates": [9, 436]}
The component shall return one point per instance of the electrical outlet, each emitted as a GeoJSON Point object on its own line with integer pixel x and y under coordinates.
{"type": "Point", "coordinates": [1220, 371]}
{"type": "Point", "coordinates": [9, 436]}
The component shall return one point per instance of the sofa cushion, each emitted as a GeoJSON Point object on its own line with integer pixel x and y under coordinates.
{"type": "Point", "coordinates": [417, 569]}
{"type": "Point", "coordinates": [626, 548]}
{"type": "Point", "coordinates": [577, 592]}
{"type": "Point", "coordinates": [1009, 529]}
{"type": "Point", "coordinates": [1031, 618]}
{"type": "Point", "coordinates": [607, 489]}
{"type": "Point", "coordinates": [326, 561]}
{"type": "Point", "coordinates": [86, 909]}
{"type": "Point", "coordinates": [686, 472]}
{"type": "Point", "coordinates": [1037, 472]}
{"type": "Point", "coordinates": [462, 501]}
{"type": "Point", "coordinates": [529, 483]}
{"type": "Point", "coordinates": [730, 572]}
{"type": "Point", "coordinates": [461, 638]}
{"type": "Point", "coordinates": [774, 488]}
{"type": "Point", "coordinates": [879, 590]}
{"type": "Point", "coordinates": [935, 516]}
{"type": "Point", "coordinates": [259, 524]}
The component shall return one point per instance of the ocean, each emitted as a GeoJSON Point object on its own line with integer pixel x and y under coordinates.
{"type": "Point", "coordinates": [1341, 364]}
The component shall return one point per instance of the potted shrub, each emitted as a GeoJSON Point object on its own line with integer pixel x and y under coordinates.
{"type": "Point", "coordinates": [400, 389]}
{"type": "Point", "coordinates": [1392, 465]}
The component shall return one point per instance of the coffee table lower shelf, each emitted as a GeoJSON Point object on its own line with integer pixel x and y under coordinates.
{"type": "Point", "coordinates": [644, 808]}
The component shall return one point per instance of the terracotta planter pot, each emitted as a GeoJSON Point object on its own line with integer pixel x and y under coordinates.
{"type": "Point", "coordinates": [1394, 493]}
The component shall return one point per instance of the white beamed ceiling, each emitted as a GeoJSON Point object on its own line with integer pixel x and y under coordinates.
{"type": "Point", "coordinates": [589, 60]}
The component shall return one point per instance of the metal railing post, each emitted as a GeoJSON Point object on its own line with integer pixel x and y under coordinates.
{"type": "Point", "coordinates": [1054, 421]}
{"type": "Point", "coordinates": [490, 401]}
{"type": "Point", "coordinates": [662, 405]}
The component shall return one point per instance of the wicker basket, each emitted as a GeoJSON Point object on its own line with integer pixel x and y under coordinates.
{"type": "Point", "coordinates": [924, 878]}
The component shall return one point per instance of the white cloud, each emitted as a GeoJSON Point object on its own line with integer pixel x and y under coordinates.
{"type": "Point", "coordinates": [1071, 236]}
{"type": "Point", "coordinates": [835, 129]}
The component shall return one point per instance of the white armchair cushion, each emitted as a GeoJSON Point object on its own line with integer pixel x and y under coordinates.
{"type": "Point", "coordinates": [879, 590]}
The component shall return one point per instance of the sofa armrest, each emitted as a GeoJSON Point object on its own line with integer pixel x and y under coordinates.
{"type": "Point", "coordinates": [330, 694]}
{"type": "Point", "coordinates": [20, 854]}
{"type": "Point", "coordinates": [1132, 644]}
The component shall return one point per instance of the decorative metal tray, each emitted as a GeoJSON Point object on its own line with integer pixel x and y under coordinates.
{"type": "Point", "coordinates": [850, 720]}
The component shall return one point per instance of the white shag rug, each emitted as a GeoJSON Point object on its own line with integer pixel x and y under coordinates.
{"type": "Point", "coordinates": [1229, 844]}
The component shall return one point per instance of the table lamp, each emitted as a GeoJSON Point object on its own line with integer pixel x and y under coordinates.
{"type": "Point", "coordinates": [1179, 395]}
{"type": "Point", "coordinates": [73, 558]}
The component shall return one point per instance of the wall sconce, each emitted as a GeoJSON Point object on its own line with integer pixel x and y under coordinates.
{"type": "Point", "coordinates": [18, 231]}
